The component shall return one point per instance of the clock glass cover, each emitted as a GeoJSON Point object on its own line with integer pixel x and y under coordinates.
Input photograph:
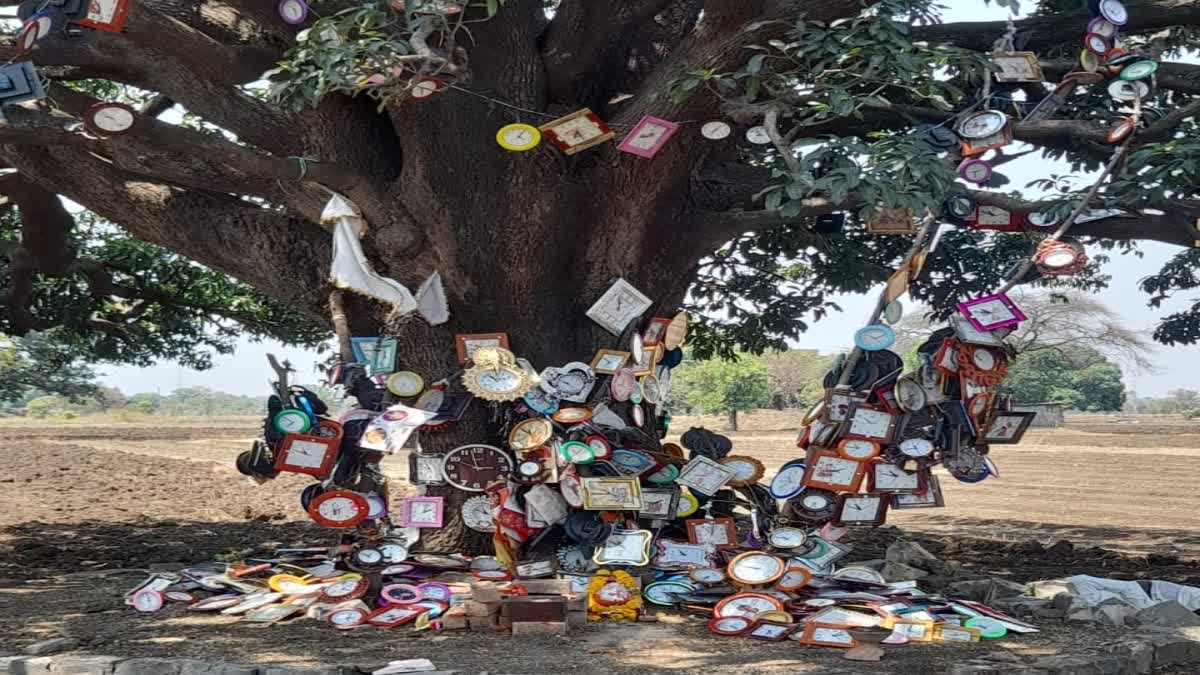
{"type": "Point", "coordinates": [474, 467]}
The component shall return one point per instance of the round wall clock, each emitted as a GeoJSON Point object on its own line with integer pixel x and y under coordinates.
{"type": "Point", "coordinates": [530, 434]}
{"type": "Point", "coordinates": [638, 416]}
{"type": "Point", "coordinates": [1139, 70]}
{"type": "Point", "coordinates": [502, 382]}
{"type": "Point", "coordinates": [148, 600]}
{"type": "Point", "coordinates": [975, 171]}
{"type": "Point", "coordinates": [988, 627]}
{"type": "Point", "coordinates": [667, 474]}
{"type": "Point", "coordinates": [910, 395]}
{"type": "Point", "coordinates": [787, 537]}
{"type": "Point", "coordinates": [1114, 11]}
{"type": "Point", "coordinates": [1089, 61]}
{"type": "Point", "coordinates": [36, 27]}
{"type": "Point", "coordinates": [715, 131]}
{"type": "Point", "coordinates": [376, 506]}
{"type": "Point", "coordinates": [1097, 44]}
{"type": "Point", "coordinates": [893, 312]}
{"type": "Point", "coordinates": [572, 382]}
{"type": "Point", "coordinates": [394, 552]}
{"type": "Point", "coordinates": [676, 331]}
{"type": "Point", "coordinates": [339, 508]}
{"type": "Point", "coordinates": [1043, 219]}
{"type": "Point", "coordinates": [426, 87]}
{"type": "Point", "coordinates": [651, 391]}
{"type": "Point", "coordinates": [477, 514]}
{"type": "Point", "coordinates": [663, 592]}
{"type": "Point", "coordinates": [758, 135]}
{"type": "Point", "coordinates": [405, 383]}
{"type": "Point", "coordinates": [730, 625]}
{"type": "Point", "coordinates": [346, 587]}
{"type": "Point", "coordinates": [623, 384]}
{"type": "Point", "coordinates": [293, 11]}
{"type": "Point", "coordinates": [473, 467]}
{"type": "Point", "coordinates": [813, 504]}
{"type": "Point", "coordinates": [637, 350]}
{"type": "Point", "coordinates": [688, 504]}
{"type": "Point", "coordinates": [529, 471]}
{"type": "Point", "coordinates": [1128, 90]}
{"type": "Point", "coordinates": [755, 568]}
{"type": "Point", "coordinates": [291, 421]}
{"type": "Point", "coordinates": [746, 605]}
{"type": "Point", "coordinates": [916, 447]}
{"type": "Point", "coordinates": [982, 124]}
{"type": "Point", "coordinates": [748, 469]}
{"type": "Point", "coordinates": [572, 415]}
{"type": "Point", "coordinates": [601, 448]}
{"type": "Point", "coordinates": [858, 449]}
{"type": "Point", "coordinates": [789, 481]}
{"type": "Point", "coordinates": [1102, 26]}
{"type": "Point", "coordinates": [541, 401]}
{"type": "Point", "coordinates": [571, 489]}
{"type": "Point", "coordinates": [344, 619]}
{"type": "Point", "coordinates": [794, 579]}
{"type": "Point", "coordinates": [874, 338]}
{"type": "Point", "coordinates": [707, 576]}
{"type": "Point", "coordinates": [518, 137]}
{"type": "Point", "coordinates": [577, 453]}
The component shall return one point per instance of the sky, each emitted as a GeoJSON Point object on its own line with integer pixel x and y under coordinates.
{"type": "Point", "coordinates": [246, 371]}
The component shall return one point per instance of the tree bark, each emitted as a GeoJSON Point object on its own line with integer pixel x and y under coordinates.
{"type": "Point", "coordinates": [733, 420]}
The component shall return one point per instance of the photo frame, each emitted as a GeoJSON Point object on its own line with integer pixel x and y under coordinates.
{"type": "Point", "coordinates": [624, 547]}
{"type": "Point", "coordinates": [609, 361]}
{"type": "Point", "coordinates": [383, 360]}
{"type": "Point", "coordinates": [718, 533]}
{"type": "Point", "coordinates": [682, 555]}
{"type": "Point", "coordinates": [704, 475]}
{"type": "Point", "coordinates": [1007, 428]}
{"type": "Point", "coordinates": [364, 348]}
{"type": "Point", "coordinates": [466, 343]}
{"type": "Point", "coordinates": [655, 331]}
{"type": "Point", "coordinates": [611, 493]}
{"type": "Point", "coordinates": [946, 359]}
{"type": "Point", "coordinates": [650, 359]}
{"type": "Point", "coordinates": [659, 503]}
{"type": "Point", "coordinates": [883, 220]}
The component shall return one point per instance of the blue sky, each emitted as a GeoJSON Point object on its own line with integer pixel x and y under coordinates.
{"type": "Point", "coordinates": [246, 371]}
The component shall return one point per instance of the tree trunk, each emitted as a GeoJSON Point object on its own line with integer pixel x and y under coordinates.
{"type": "Point", "coordinates": [733, 420]}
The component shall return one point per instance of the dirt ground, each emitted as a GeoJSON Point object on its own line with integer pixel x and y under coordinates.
{"type": "Point", "coordinates": [86, 509]}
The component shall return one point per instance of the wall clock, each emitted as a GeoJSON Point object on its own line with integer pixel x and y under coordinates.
{"type": "Point", "coordinates": [497, 379]}
{"type": "Point", "coordinates": [339, 508]}
{"type": "Point", "coordinates": [746, 605]}
{"type": "Point", "coordinates": [572, 415]}
{"type": "Point", "coordinates": [421, 511]}
{"type": "Point", "coordinates": [572, 382]}
{"type": "Point", "coordinates": [619, 305]}
{"type": "Point", "coordinates": [291, 421]}
{"type": "Point", "coordinates": [107, 15]}
{"type": "Point", "coordinates": [717, 533]}
{"type": "Point", "coordinates": [909, 393]}
{"type": "Point", "coordinates": [682, 555]}
{"type": "Point", "coordinates": [578, 131]}
{"type": "Point", "coordinates": [1121, 129]}
{"type": "Point", "coordinates": [345, 587]}
{"type": "Point", "coordinates": [529, 434]}
{"type": "Point", "coordinates": [391, 617]}
{"type": "Point", "coordinates": [312, 455]}
{"type": "Point", "coordinates": [1097, 44]}
{"type": "Point", "coordinates": [786, 538]}
{"type": "Point", "coordinates": [473, 467]}
{"type": "Point", "coordinates": [425, 469]}
{"type": "Point", "coordinates": [771, 631]}
{"type": "Point", "coordinates": [789, 480]}
{"type": "Point", "coordinates": [405, 384]}
{"type": "Point", "coordinates": [704, 475]}
{"type": "Point", "coordinates": [624, 547]}
{"type": "Point", "coordinates": [794, 579]}
{"type": "Point", "coordinates": [611, 493]}
{"type": "Point", "coordinates": [975, 171]}
{"type": "Point", "coordinates": [874, 338]}
{"type": "Point", "coordinates": [293, 11]}
{"type": "Point", "coordinates": [858, 449]}
{"type": "Point", "coordinates": [477, 514]}
{"type": "Point", "coordinates": [688, 505]}
{"type": "Point", "coordinates": [930, 497]}
{"type": "Point", "coordinates": [830, 471]}
{"type": "Point", "coordinates": [827, 635]}
{"type": "Point", "coordinates": [891, 221]}
{"type": "Point", "coordinates": [748, 469]}
{"type": "Point", "coordinates": [982, 124]}
{"type": "Point", "coordinates": [345, 619]}
{"type": "Point", "coordinates": [707, 576]}
{"type": "Point", "coordinates": [869, 423]}
{"type": "Point", "coordinates": [855, 509]}
{"type": "Point", "coordinates": [1017, 67]}
{"type": "Point", "coordinates": [1128, 90]}
{"type": "Point", "coordinates": [109, 119]}
{"type": "Point", "coordinates": [648, 137]}
{"type": "Point", "coordinates": [1115, 13]}
{"type": "Point", "coordinates": [1008, 427]}
{"type": "Point", "coordinates": [991, 312]}
{"type": "Point", "coordinates": [609, 361]}
{"type": "Point", "coordinates": [1139, 70]}
{"type": "Point", "coordinates": [518, 137]}
{"type": "Point", "coordinates": [716, 130]}
{"type": "Point", "coordinates": [659, 503]}
{"type": "Point", "coordinates": [467, 344]}
{"type": "Point", "coordinates": [889, 478]}
{"type": "Point", "coordinates": [758, 135]}
{"type": "Point", "coordinates": [730, 625]}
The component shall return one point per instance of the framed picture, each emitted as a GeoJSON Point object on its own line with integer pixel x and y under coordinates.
{"type": "Point", "coordinates": [383, 360]}
{"type": "Point", "coordinates": [648, 137]}
{"type": "Point", "coordinates": [772, 631]}
{"type": "Point", "coordinates": [871, 423]}
{"type": "Point", "coordinates": [715, 532]}
{"type": "Point", "coordinates": [609, 361]}
{"type": "Point", "coordinates": [466, 344]}
{"type": "Point", "coordinates": [704, 475]}
{"type": "Point", "coordinates": [619, 305]}
{"type": "Point", "coordinates": [827, 635]}
{"type": "Point", "coordinates": [425, 470]}
{"type": "Point", "coordinates": [659, 503]}
{"type": "Point", "coordinates": [831, 471]}
{"type": "Point", "coordinates": [422, 511]}
{"type": "Point", "coordinates": [650, 357]}
{"type": "Point", "coordinates": [624, 547]}
{"type": "Point", "coordinates": [577, 131]}
{"type": "Point", "coordinates": [929, 498]}
{"type": "Point", "coordinates": [1017, 67]}
{"type": "Point", "coordinates": [656, 330]}
{"type": "Point", "coordinates": [946, 358]}
{"type": "Point", "coordinates": [611, 493]}
{"type": "Point", "coordinates": [682, 555]}
{"type": "Point", "coordinates": [1007, 427]}
{"type": "Point", "coordinates": [885, 220]}
{"type": "Point", "coordinates": [364, 349]}
{"type": "Point", "coordinates": [837, 403]}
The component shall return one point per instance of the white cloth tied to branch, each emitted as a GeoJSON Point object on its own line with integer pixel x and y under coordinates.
{"type": "Point", "coordinates": [352, 271]}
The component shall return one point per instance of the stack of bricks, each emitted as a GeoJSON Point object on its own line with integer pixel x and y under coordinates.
{"type": "Point", "coordinates": [549, 609]}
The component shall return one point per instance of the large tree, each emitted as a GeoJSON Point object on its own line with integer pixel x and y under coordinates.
{"type": "Point", "coordinates": [527, 241]}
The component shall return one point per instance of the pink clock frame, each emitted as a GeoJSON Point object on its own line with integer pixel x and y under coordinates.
{"type": "Point", "coordinates": [406, 509]}
{"type": "Point", "coordinates": [1018, 315]}
{"type": "Point", "coordinates": [649, 153]}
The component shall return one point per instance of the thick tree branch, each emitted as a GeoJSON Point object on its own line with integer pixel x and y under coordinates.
{"type": "Point", "coordinates": [1180, 77]}
{"type": "Point", "coordinates": [1062, 27]}
{"type": "Point", "coordinates": [1174, 226]}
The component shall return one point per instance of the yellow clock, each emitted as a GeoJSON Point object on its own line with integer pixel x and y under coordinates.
{"type": "Point", "coordinates": [518, 137]}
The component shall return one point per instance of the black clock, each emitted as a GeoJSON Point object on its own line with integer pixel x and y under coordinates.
{"type": "Point", "coordinates": [473, 467]}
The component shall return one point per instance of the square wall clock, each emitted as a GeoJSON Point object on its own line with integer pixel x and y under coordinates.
{"type": "Point", "coordinates": [648, 137]}
{"type": "Point", "coordinates": [991, 312]}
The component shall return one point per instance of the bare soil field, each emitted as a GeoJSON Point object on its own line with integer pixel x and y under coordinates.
{"type": "Point", "coordinates": [86, 509]}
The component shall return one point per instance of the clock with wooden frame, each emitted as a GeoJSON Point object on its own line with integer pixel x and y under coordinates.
{"type": "Point", "coordinates": [982, 364]}
{"type": "Point", "coordinates": [716, 532]}
{"type": "Point", "coordinates": [827, 635]}
{"type": "Point", "coordinates": [861, 510]}
{"type": "Point", "coordinates": [577, 131]}
{"type": "Point", "coordinates": [831, 471]}
{"type": "Point", "coordinates": [312, 455]}
{"type": "Point", "coordinates": [869, 422]}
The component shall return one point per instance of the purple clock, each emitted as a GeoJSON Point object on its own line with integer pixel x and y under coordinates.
{"type": "Point", "coordinates": [975, 171]}
{"type": "Point", "coordinates": [293, 11]}
{"type": "Point", "coordinates": [991, 312]}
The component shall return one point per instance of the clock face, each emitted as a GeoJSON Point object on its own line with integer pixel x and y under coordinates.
{"type": "Point", "coordinates": [147, 600]}
{"type": "Point", "coordinates": [347, 618]}
{"type": "Point", "coordinates": [992, 312]}
{"type": "Point", "coordinates": [369, 556]}
{"type": "Point", "coordinates": [623, 384]}
{"type": "Point", "coordinates": [747, 469]}
{"type": "Point", "coordinates": [787, 537]}
{"type": "Point", "coordinates": [1102, 26]}
{"type": "Point", "coordinates": [577, 453]}
{"type": "Point", "coordinates": [292, 422]}
{"type": "Point", "coordinates": [794, 578]}
{"type": "Point", "coordinates": [500, 380]}
{"type": "Point", "coordinates": [1126, 90]}
{"type": "Point", "coordinates": [834, 471]}
{"type": "Point", "coordinates": [429, 469]}
{"type": "Point", "coordinates": [572, 415]}
{"type": "Point", "coordinates": [875, 338]}
{"type": "Point", "coordinates": [663, 592]}
{"type": "Point", "coordinates": [893, 312]}
{"type": "Point", "coordinates": [667, 474]}
{"type": "Point", "coordinates": [709, 575]}
{"type": "Point", "coordinates": [339, 509]}
{"type": "Point", "coordinates": [859, 449]}
{"type": "Point", "coordinates": [648, 135]}
{"type": "Point", "coordinates": [529, 469]}
{"type": "Point", "coordinates": [910, 394]}
{"type": "Point", "coordinates": [1060, 258]}
{"type": "Point", "coordinates": [758, 135]}
{"type": "Point", "coordinates": [1097, 43]}
{"type": "Point", "coordinates": [423, 513]}
{"type": "Point", "coordinates": [1114, 11]}
{"type": "Point", "coordinates": [650, 388]}
{"type": "Point", "coordinates": [572, 490]}
{"type": "Point", "coordinates": [293, 11]}
{"type": "Point", "coordinates": [870, 423]}
{"type": "Point", "coordinates": [405, 383]}
{"type": "Point", "coordinates": [916, 447]}
{"type": "Point", "coordinates": [638, 416]}
{"type": "Point", "coordinates": [578, 130]}
{"type": "Point", "coordinates": [112, 119]}
{"type": "Point", "coordinates": [976, 171]}
{"type": "Point", "coordinates": [393, 553]}
{"type": "Point", "coordinates": [788, 482]}
{"type": "Point", "coordinates": [715, 131]}
{"type": "Point", "coordinates": [474, 467]}
{"type": "Point", "coordinates": [816, 501]}
{"type": "Point", "coordinates": [746, 605]}
{"type": "Point", "coordinates": [860, 508]}
{"type": "Point", "coordinates": [477, 514]}
{"type": "Point", "coordinates": [529, 434]}
{"type": "Point", "coordinates": [983, 124]}
{"type": "Point", "coordinates": [983, 359]}
{"type": "Point", "coordinates": [891, 477]}
{"type": "Point", "coordinates": [519, 137]}
{"type": "Point", "coordinates": [342, 588]}
{"type": "Point", "coordinates": [574, 559]}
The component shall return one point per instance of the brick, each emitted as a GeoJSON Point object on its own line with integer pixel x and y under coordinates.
{"type": "Point", "coordinates": [484, 624]}
{"type": "Point", "coordinates": [149, 666]}
{"type": "Point", "coordinates": [1173, 646]}
{"type": "Point", "coordinates": [69, 664]}
{"type": "Point", "coordinates": [546, 586]}
{"type": "Point", "coordinates": [197, 667]}
{"type": "Point", "coordinates": [1169, 614]}
{"type": "Point", "coordinates": [51, 646]}
{"type": "Point", "coordinates": [523, 628]}
{"type": "Point", "coordinates": [455, 622]}
{"type": "Point", "coordinates": [485, 591]}
{"type": "Point", "coordinates": [24, 665]}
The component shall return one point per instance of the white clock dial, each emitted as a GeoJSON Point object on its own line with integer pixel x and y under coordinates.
{"type": "Point", "coordinates": [369, 556]}
{"type": "Point", "coordinates": [757, 568]}
{"type": "Point", "coordinates": [859, 449]}
{"type": "Point", "coordinates": [338, 508]}
{"type": "Point", "coordinates": [1060, 258]}
{"type": "Point", "coordinates": [992, 312]}
{"type": "Point", "coordinates": [529, 468]}
{"type": "Point", "coordinates": [910, 395]}
{"type": "Point", "coordinates": [871, 423]}
{"type": "Point", "coordinates": [346, 618]}
{"type": "Point", "coordinates": [860, 509]}
{"type": "Point", "coordinates": [518, 136]}
{"type": "Point", "coordinates": [342, 587]}
{"type": "Point", "coordinates": [1114, 11]}
{"type": "Point", "coordinates": [758, 135]}
{"type": "Point", "coordinates": [748, 607]}
{"type": "Point", "coordinates": [429, 469]}
{"type": "Point", "coordinates": [892, 477]}
{"type": "Point", "coordinates": [787, 537]}
{"type": "Point", "coordinates": [984, 359]}
{"type": "Point", "coordinates": [977, 172]}
{"type": "Point", "coordinates": [788, 482]}
{"type": "Point", "coordinates": [815, 502]}
{"type": "Point", "coordinates": [477, 514]}
{"type": "Point", "coordinates": [835, 470]}
{"type": "Point", "coordinates": [393, 553]}
{"type": "Point", "coordinates": [916, 447]}
{"type": "Point", "coordinates": [113, 119]}
{"type": "Point", "coordinates": [293, 11]}
{"type": "Point", "coordinates": [424, 89]}
{"type": "Point", "coordinates": [715, 131]}
{"type": "Point", "coordinates": [983, 124]}
{"type": "Point", "coordinates": [708, 576]}
{"type": "Point", "coordinates": [571, 490]}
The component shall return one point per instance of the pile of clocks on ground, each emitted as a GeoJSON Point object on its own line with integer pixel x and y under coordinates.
{"type": "Point", "coordinates": [578, 486]}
